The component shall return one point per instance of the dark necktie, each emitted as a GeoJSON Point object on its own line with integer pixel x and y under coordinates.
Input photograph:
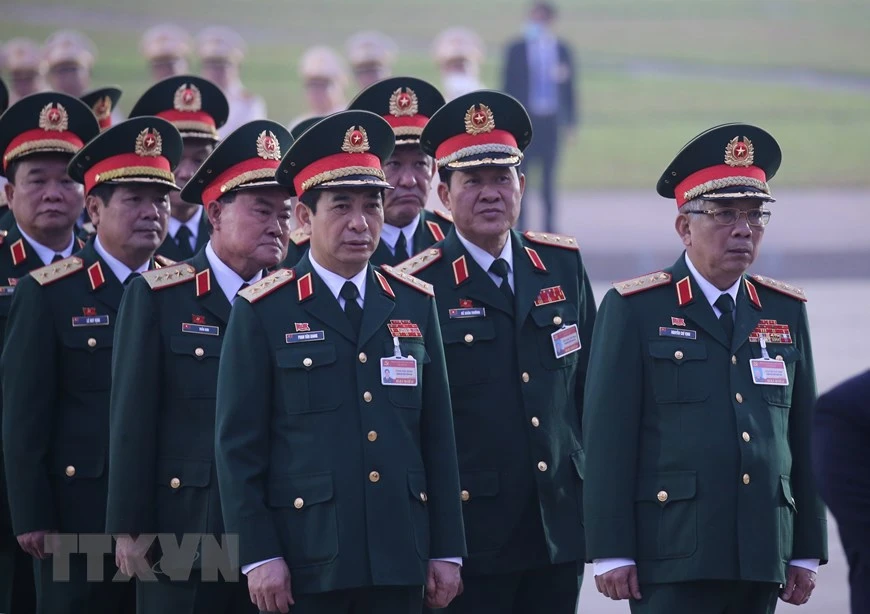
{"type": "Point", "coordinates": [130, 278]}
{"type": "Point", "coordinates": [56, 257]}
{"type": "Point", "coordinates": [349, 293]}
{"type": "Point", "coordinates": [500, 268]}
{"type": "Point", "coordinates": [726, 305]}
{"type": "Point", "coordinates": [402, 248]}
{"type": "Point", "coordinates": [182, 239]}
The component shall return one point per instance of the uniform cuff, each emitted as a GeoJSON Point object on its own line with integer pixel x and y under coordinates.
{"type": "Point", "coordinates": [602, 566]}
{"type": "Point", "coordinates": [811, 564]}
{"type": "Point", "coordinates": [246, 569]}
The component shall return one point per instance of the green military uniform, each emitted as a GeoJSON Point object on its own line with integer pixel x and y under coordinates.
{"type": "Point", "coordinates": [432, 227]}
{"type": "Point", "coordinates": [170, 248]}
{"type": "Point", "coordinates": [299, 238]}
{"type": "Point", "coordinates": [693, 471]}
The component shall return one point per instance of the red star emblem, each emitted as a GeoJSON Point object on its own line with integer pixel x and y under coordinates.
{"type": "Point", "coordinates": [149, 141]}
{"type": "Point", "coordinates": [356, 137]}
{"type": "Point", "coordinates": [479, 118]}
{"type": "Point", "coordinates": [740, 150]}
{"type": "Point", "coordinates": [187, 96]}
{"type": "Point", "coordinates": [269, 144]}
{"type": "Point", "coordinates": [404, 100]}
{"type": "Point", "coordinates": [54, 116]}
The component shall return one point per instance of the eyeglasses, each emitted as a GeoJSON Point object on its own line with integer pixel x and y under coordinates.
{"type": "Point", "coordinates": [728, 216]}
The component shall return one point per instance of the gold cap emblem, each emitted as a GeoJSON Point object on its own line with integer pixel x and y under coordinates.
{"type": "Point", "coordinates": [479, 120]}
{"type": "Point", "coordinates": [268, 147]}
{"type": "Point", "coordinates": [187, 98]}
{"type": "Point", "coordinates": [103, 108]}
{"type": "Point", "coordinates": [149, 143]}
{"type": "Point", "coordinates": [403, 103]}
{"type": "Point", "coordinates": [739, 153]}
{"type": "Point", "coordinates": [53, 117]}
{"type": "Point", "coordinates": [355, 140]}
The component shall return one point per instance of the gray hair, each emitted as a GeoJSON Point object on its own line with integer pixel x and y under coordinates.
{"type": "Point", "coordinates": [697, 204]}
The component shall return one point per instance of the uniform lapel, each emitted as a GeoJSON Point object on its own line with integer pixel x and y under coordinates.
{"type": "Point", "coordinates": [478, 284]}
{"type": "Point", "coordinates": [110, 291]}
{"type": "Point", "coordinates": [529, 280]}
{"type": "Point", "coordinates": [204, 232]}
{"type": "Point", "coordinates": [321, 304]}
{"type": "Point", "coordinates": [377, 307]}
{"type": "Point", "coordinates": [382, 254]}
{"type": "Point", "coordinates": [747, 317]}
{"type": "Point", "coordinates": [696, 307]}
{"type": "Point", "coordinates": [208, 292]}
{"type": "Point", "coordinates": [23, 257]}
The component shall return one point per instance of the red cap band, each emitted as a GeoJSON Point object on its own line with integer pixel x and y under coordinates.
{"type": "Point", "coordinates": [464, 140]}
{"type": "Point", "coordinates": [713, 173]}
{"type": "Point", "coordinates": [251, 169]}
{"type": "Point", "coordinates": [125, 166]}
{"type": "Point", "coordinates": [174, 116]}
{"type": "Point", "coordinates": [406, 121]}
{"type": "Point", "coordinates": [37, 136]}
{"type": "Point", "coordinates": [335, 162]}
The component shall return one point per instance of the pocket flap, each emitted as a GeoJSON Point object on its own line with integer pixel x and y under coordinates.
{"type": "Point", "coordinates": [663, 488]}
{"type": "Point", "coordinates": [178, 473]}
{"type": "Point", "coordinates": [300, 491]}
{"type": "Point", "coordinates": [80, 338]}
{"type": "Point", "coordinates": [417, 485]}
{"type": "Point", "coordinates": [786, 491]}
{"type": "Point", "coordinates": [414, 347]}
{"type": "Point", "coordinates": [209, 347]}
{"type": "Point", "coordinates": [543, 316]}
{"type": "Point", "coordinates": [75, 465]}
{"type": "Point", "coordinates": [480, 483]}
{"type": "Point", "coordinates": [678, 351]}
{"type": "Point", "coordinates": [789, 353]}
{"type": "Point", "coordinates": [458, 331]}
{"type": "Point", "coordinates": [579, 459]}
{"type": "Point", "coordinates": [307, 356]}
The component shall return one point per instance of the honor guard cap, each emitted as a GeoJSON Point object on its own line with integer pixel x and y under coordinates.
{"type": "Point", "coordinates": [102, 101]}
{"type": "Point", "coordinates": [20, 55]}
{"type": "Point", "coordinates": [246, 158]}
{"type": "Point", "coordinates": [47, 122]}
{"type": "Point", "coordinates": [405, 103]}
{"type": "Point", "coordinates": [166, 41]}
{"type": "Point", "coordinates": [139, 150]}
{"type": "Point", "coordinates": [69, 47]}
{"type": "Point", "coordinates": [343, 150]}
{"type": "Point", "coordinates": [195, 106]}
{"type": "Point", "coordinates": [725, 162]}
{"type": "Point", "coordinates": [482, 128]}
{"type": "Point", "coordinates": [368, 49]}
{"type": "Point", "coordinates": [322, 63]}
{"type": "Point", "coordinates": [458, 43]}
{"type": "Point", "coordinates": [220, 43]}
{"type": "Point", "coordinates": [297, 130]}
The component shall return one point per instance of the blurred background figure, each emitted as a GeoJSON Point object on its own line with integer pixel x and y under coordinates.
{"type": "Point", "coordinates": [458, 53]}
{"type": "Point", "coordinates": [102, 102]}
{"type": "Point", "coordinates": [166, 47]}
{"type": "Point", "coordinates": [324, 77]}
{"type": "Point", "coordinates": [21, 62]}
{"type": "Point", "coordinates": [539, 72]}
{"type": "Point", "coordinates": [371, 55]}
{"type": "Point", "coordinates": [841, 457]}
{"type": "Point", "coordinates": [69, 59]}
{"type": "Point", "coordinates": [221, 51]}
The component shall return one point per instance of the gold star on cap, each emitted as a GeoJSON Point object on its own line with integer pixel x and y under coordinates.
{"type": "Point", "coordinates": [739, 153]}
{"type": "Point", "coordinates": [149, 143]}
{"type": "Point", "coordinates": [268, 147]}
{"type": "Point", "coordinates": [479, 120]}
{"type": "Point", "coordinates": [355, 140]}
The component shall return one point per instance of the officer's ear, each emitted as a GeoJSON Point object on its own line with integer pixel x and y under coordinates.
{"type": "Point", "coordinates": [9, 190]}
{"type": "Point", "coordinates": [303, 215]}
{"type": "Point", "coordinates": [681, 224]}
{"type": "Point", "coordinates": [213, 211]}
{"type": "Point", "coordinates": [522, 179]}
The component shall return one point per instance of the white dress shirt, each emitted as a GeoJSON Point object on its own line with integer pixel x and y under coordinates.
{"type": "Point", "coordinates": [390, 235]}
{"type": "Point", "coordinates": [46, 254]}
{"type": "Point", "coordinates": [484, 259]}
{"type": "Point", "coordinates": [227, 279]}
{"type": "Point", "coordinates": [192, 225]}
{"type": "Point", "coordinates": [119, 269]}
{"type": "Point", "coordinates": [711, 293]}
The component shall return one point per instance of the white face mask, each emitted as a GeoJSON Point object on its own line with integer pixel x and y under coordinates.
{"type": "Point", "coordinates": [456, 84]}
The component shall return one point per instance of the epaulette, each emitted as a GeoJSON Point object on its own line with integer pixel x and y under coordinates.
{"type": "Point", "coordinates": [548, 238]}
{"type": "Point", "coordinates": [58, 270]}
{"type": "Point", "coordinates": [409, 280]}
{"type": "Point", "coordinates": [167, 277]}
{"type": "Point", "coordinates": [267, 285]}
{"type": "Point", "coordinates": [163, 261]}
{"type": "Point", "coordinates": [300, 237]}
{"type": "Point", "coordinates": [781, 287]}
{"type": "Point", "coordinates": [644, 282]}
{"type": "Point", "coordinates": [414, 265]}
{"type": "Point", "coordinates": [444, 215]}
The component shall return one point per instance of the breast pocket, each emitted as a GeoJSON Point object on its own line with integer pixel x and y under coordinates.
{"type": "Point", "coordinates": [468, 350]}
{"type": "Point", "coordinates": [196, 358]}
{"type": "Point", "coordinates": [89, 350]}
{"type": "Point", "coordinates": [548, 319]}
{"type": "Point", "coordinates": [678, 371]}
{"type": "Point", "coordinates": [780, 395]}
{"type": "Point", "coordinates": [409, 396]}
{"type": "Point", "coordinates": [305, 380]}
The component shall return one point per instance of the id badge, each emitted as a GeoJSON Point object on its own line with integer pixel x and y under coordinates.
{"type": "Point", "coordinates": [768, 372]}
{"type": "Point", "coordinates": [399, 371]}
{"type": "Point", "coordinates": [566, 341]}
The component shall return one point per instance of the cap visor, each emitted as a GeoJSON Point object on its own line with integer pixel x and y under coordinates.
{"type": "Point", "coordinates": [481, 160]}
{"type": "Point", "coordinates": [736, 192]}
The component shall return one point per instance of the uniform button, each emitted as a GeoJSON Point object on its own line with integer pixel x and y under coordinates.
{"type": "Point", "coordinates": [298, 503]}
{"type": "Point", "coordinates": [733, 360]}
{"type": "Point", "coordinates": [542, 466]}
{"type": "Point", "coordinates": [199, 352]}
{"type": "Point", "coordinates": [526, 377]}
{"type": "Point", "coordinates": [746, 437]}
{"type": "Point", "coordinates": [424, 497]}
{"type": "Point", "coordinates": [374, 476]}
{"type": "Point", "coordinates": [465, 495]}
{"type": "Point", "coordinates": [363, 357]}
{"type": "Point", "coordinates": [557, 320]}
{"type": "Point", "coordinates": [70, 471]}
{"type": "Point", "coordinates": [678, 355]}
{"type": "Point", "coordinates": [373, 435]}
{"type": "Point", "coordinates": [175, 483]}
{"type": "Point", "coordinates": [739, 397]}
{"type": "Point", "coordinates": [469, 338]}
{"type": "Point", "coordinates": [746, 478]}
{"type": "Point", "coordinates": [367, 396]}
{"type": "Point", "coordinates": [307, 362]}
{"type": "Point", "coordinates": [779, 356]}
{"type": "Point", "coordinates": [662, 496]}
{"type": "Point", "coordinates": [92, 343]}
{"type": "Point", "coordinates": [535, 422]}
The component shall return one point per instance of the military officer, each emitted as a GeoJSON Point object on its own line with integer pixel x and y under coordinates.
{"type": "Point", "coordinates": [20, 60]}
{"type": "Point", "coordinates": [699, 490]}
{"type": "Point", "coordinates": [198, 109]}
{"type": "Point", "coordinates": [324, 78]}
{"type": "Point", "coordinates": [221, 51]}
{"type": "Point", "coordinates": [161, 469]}
{"type": "Point", "coordinates": [55, 368]}
{"type": "Point", "coordinates": [102, 102]}
{"type": "Point", "coordinates": [336, 480]}
{"type": "Point", "coordinates": [516, 315]}
{"type": "Point", "coordinates": [407, 104]}
{"type": "Point", "coordinates": [371, 55]}
{"type": "Point", "coordinates": [300, 236]}
{"type": "Point", "coordinates": [458, 52]}
{"type": "Point", "coordinates": [166, 48]}
{"type": "Point", "coordinates": [38, 136]}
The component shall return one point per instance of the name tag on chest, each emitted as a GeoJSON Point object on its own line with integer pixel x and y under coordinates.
{"type": "Point", "coordinates": [399, 371]}
{"type": "Point", "coordinates": [314, 335]}
{"type": "Point", "coordinates": [80, 321]}
{"type": "Point", "coordinates": [200, 329]}
{"type": "Point", "coordinates": [566, 341]}
{"type": "Point", "coordinates": [768, 372]}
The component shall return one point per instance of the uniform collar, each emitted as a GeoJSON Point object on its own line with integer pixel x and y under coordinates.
{"type": "Point", "coordinates": [227, 279]}
{"type": "Point", "coordinates": [334, 281]}
{"type": "Point", "coordinates": [46, 254]}
{"type": "Point", "coordinates": [483, 258]}
{"type": "Point", "coordinates": [390, 234]}
{"type": "Point", "coordinates": [192, 224]}
{"type": "Point", "coordinates": [120, 270]}
{"type": "Point", "coordinates": [711, 292]}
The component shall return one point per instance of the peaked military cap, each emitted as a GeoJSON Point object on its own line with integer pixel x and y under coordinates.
{"type": "Point", "coordinates": [246, 158]}
{"type": "Point", "coordinates": [297, 130]}
{"type": "Point", "coordinates": [4, 96]}
{"type": "Point", "coordinates": [405, 102]}
{"type": "Point", "coordinates": [343, 150]}
{"type": "Point", "coordinates": [728, 161]}
{"type": "Point", "coordinates": [195, 106]}
{"type": "Point", "coordinates": [102, 101]}
{"type": "Point", "coordinates": [139, 150]}
{"type": "Point", "coordinates": [482, 128]}
{"type": "Point", "coordinates": [47, 122]}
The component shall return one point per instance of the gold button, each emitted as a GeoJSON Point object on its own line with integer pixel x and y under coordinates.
{"type": "Point", "coordinates": [662, 496]}
{"type": "Point", "coordinates": [424, 497]}
{"type": "Point", "coordinates": [535, 422]}
{"type": "Point", "coordinates": [542, 466]}
{"type": "Point", "coordinates": [733, 360]}
{"type": "Point", "coordinates": [199, 352]}
{"type": "Point", "coordinates": [374, 476]}
{"type": "Point", "coordinates": [175, 483]}
{"type": "Point", "coordinates": [746, 437]}
{"type": "Point", "coordinates": [92, 343]}
{"type": "Point", "coordinates": [298, 503]}
{"type": "Point", "coordinates": [779, 357]}
{"type": "Point", "coordinates": [746, 478]}
{"type": "Point", "coordinates": [464, 495]}
{"type": "Point", "coordinates": [367, 396]}
{"type": "Point", "coordinates": [307, 362]}
{"type": "Point", "coordinates": [373, 435]}
{"type": "Point", "coordinates": [678, 355]}
{"type": "Point", "coordinates": [526, 377]}
{"type": "Point", "coordinates": [557, 320]}
{"type": "Point", "coordinates": [70, 471]}
{"type": "Point", "coordinates": [363, 357]}
{"type": "Point", "coordinates": [739, 397]}
{"type": "Point", "coordinates": [469, 338]}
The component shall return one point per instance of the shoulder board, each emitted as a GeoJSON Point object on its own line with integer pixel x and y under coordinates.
{"type": "Point", "coordinates": [409, 280]}
{"type": "Point", "coordinates": [414, 265]}
{"type": "Point", "coordinates": [267, 285]}
{"type": "Point", "coordinates": [781, 287]}
{"type": "Point", "coordinates": [300, 237]}
{"type": "Point", "coordinates": [644, 282]}
{"type": "Point", "coordinates": [58, 270]}
{"type": "Point", "coordinates": [164, 261]}
{"type": "Point", "coordinates": [168, 276]}
{"type": "Point", "coordinates": [444, 215]}
{"type": "Point", "coordinates": [548, 238]}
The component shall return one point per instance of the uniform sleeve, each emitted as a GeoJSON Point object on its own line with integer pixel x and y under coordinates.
{"type": "Point", "coordinates": [28, 368]}
{"type": "Point", "coordinates": [810, 524]}
{"type": "Point", "coordinates": [242, 425]}
{"type": "Point", "coordinates": [438, 442]}
{"type": "Point", "coordinates": [137, 384]}
{"type": "Point", "coordinates": [586, 323]}
{"type": "Point", "coordinates": [613, 409]}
